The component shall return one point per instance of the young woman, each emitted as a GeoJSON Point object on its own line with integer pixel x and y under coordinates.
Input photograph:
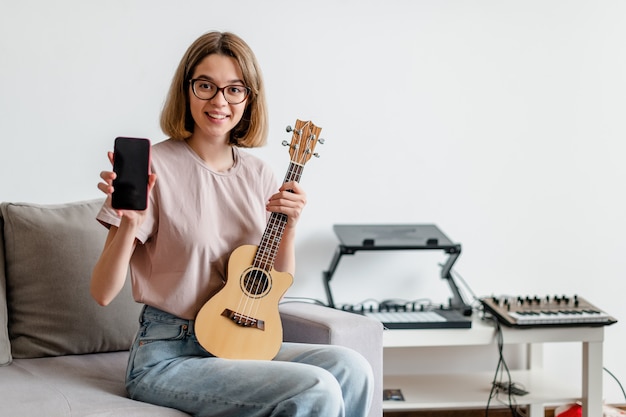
{"type": "Point", "coordinates": [208, 197]}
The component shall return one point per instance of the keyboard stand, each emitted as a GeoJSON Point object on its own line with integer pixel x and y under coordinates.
{"type": "Point", "coordinates": [354, 238]}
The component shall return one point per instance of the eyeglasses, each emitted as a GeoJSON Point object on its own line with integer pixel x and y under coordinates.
{"type": "Point", "coordinates": [206, 90]}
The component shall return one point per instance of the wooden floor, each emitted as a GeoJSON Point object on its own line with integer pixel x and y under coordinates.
{"type": "Point", "coordinates": [494, 412]}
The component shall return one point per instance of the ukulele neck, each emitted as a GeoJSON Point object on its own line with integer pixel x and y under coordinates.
{"type": "Point", "coordinates": [273, 234]}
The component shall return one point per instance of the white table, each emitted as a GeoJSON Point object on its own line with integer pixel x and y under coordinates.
{"type": "Point", "coordinates": [471, 390]}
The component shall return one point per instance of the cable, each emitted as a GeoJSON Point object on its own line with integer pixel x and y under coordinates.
{"type": "Point", "coordinates": [467, 287]}
{"type": "Point", "coordinates": [301, 300]}
{"type": "Point", "coordinates": [616, 380]}
{"type": "Point", "coordinates": [497, 385]}
{"type": "Point", "coordinates": [475, 300]}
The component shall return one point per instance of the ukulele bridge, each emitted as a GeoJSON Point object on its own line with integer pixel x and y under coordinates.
{"type": "Point", "coordinates": [243, 320]}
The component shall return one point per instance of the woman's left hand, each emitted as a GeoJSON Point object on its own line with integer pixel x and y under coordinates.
{"type": "Point", "coordinates": [289, 200]}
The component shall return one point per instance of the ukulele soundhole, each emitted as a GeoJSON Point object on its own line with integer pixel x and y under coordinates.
{"type": "Point", "coordinates": [256, 283]}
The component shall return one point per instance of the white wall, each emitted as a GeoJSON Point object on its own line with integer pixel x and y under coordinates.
{"type": "Point", "coordinates": [502, 122]}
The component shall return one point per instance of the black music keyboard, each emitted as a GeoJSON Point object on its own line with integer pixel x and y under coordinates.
{"type": "Point", "coordinates": [548, 311]}
{"type": "Point", "coordinates": [421, 319]}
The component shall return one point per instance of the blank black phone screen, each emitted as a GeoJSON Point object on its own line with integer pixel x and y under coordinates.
{"type": "Point", "coordinates": [131, 163]}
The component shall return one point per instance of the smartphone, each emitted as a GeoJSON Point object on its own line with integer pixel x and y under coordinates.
{"type": "Point", "coordinates": [131, 163]}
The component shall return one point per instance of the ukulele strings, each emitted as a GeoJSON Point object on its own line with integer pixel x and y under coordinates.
{"type": "Point", "coordinates": [263, 261]}
{"type": "Point", "coordinates": [257, 278]}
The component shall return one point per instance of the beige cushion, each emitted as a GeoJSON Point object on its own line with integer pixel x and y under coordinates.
{"type": "Point", "coordinates": [72, 386]}
{"type": "Point", "coordinates": [50, 252]}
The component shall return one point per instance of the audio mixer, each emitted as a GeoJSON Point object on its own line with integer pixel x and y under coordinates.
{"type": "Point", "coordinates": [517, 311]}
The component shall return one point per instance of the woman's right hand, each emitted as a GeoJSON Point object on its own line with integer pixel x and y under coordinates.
{"type": "Point", "coordinates": [109, 273]}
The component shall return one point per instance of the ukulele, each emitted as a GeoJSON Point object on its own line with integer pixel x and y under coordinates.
{"type": "Point", "coordinates": [242, 321]}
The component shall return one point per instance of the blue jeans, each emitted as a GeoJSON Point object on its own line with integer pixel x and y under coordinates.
{"type": "Point", "coordinates": [168, 367]}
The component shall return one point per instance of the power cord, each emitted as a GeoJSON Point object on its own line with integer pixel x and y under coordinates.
{"type": "Point", "coordinates": [497, 385]}
{"type": "Point", "coordinates": [465, 284]}
{"type": "Point", "coordinates": [616, 380]}
{"type": "Point", "coordinates": [302, 300]}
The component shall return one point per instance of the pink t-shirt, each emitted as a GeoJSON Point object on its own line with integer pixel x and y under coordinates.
{"type": "Point", "coordinates": [196, 218]}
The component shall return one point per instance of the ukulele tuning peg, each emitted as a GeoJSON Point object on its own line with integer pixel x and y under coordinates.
{"type": "Point", "coordinates": [316, 155]}
{"type": "Point", "coordinates": [289, 128]}
{"type": "Point", "coordinates": [285, 143]}
{"type": "Point", "coordinates": [321, 141]}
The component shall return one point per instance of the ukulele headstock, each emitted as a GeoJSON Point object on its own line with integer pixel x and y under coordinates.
{"type": "Point", "coordinates": [303, 141]}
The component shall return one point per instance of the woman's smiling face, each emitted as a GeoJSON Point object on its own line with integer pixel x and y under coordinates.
{"type": "Point", "coordinates": [215, 118]}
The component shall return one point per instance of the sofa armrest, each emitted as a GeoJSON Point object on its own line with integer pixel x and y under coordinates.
{"type": "Point", "coordinates": [311, 323]}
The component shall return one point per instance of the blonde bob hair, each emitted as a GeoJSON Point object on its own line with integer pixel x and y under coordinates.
{"type": "Point", "coordinates": [176, 120]}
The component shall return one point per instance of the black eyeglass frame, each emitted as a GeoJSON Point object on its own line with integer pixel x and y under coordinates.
{"type": "Point", "coordinates": [218, 89]}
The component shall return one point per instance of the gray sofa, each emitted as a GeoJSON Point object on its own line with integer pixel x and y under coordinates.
{"type": "Point", "coordinates": [61, 354]}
